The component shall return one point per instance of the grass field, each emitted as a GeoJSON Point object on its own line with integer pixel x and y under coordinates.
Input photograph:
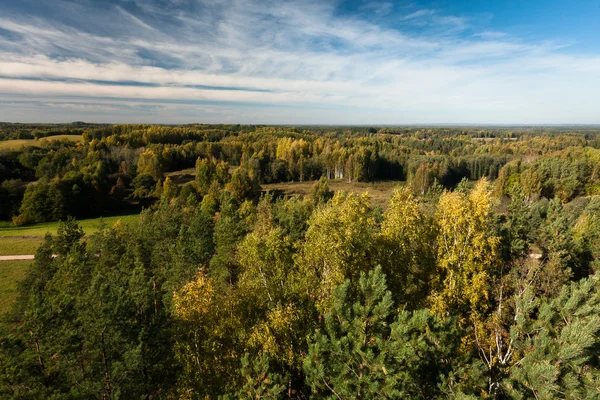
{"type": "Point", "coordinates": [16, 240]}
{"type": "Point", "coordinates": [11, 272]}
{"type": "Point", "coordinates": [18, 143]}
{"type": "Point", "coordinates": [26, 239]}
{"type": "Point", "coordinates": [15, 245]}
{"type": "Point", "coordinates": [380, 192]}
{"type": "Point", "coordinates": [89, 225]}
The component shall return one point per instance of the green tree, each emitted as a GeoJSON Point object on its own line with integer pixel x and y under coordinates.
{"type": "Point", "coordinates": [364, 352]}
{"type": "Point", "coordinates": [555, 344]}
{"type": "Point", "coordinates": [206, 171]}
{"type": "Point", "coordinates": [319, 192]}
{"type": "Point", "coordinates": [259, 381]}
{"type": "Point", "coordinates": [241, 185]}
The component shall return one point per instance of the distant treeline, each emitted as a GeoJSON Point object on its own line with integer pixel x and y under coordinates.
{"type": "Point", "coordinates": [117, 166]}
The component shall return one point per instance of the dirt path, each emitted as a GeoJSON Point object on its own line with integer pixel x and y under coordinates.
{"type": "Point", "coordinates": [16, 258]}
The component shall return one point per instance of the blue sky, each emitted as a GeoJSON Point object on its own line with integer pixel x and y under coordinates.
{"type": "Point", "coordinates": [300, 62]}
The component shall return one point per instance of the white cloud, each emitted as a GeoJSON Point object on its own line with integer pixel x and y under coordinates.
{"type": "Point", "coordinates": [491, 35]}
{"type": "Point", "coordinates": [323, 67]}
{"type": "Point", "coordinates": [418, 14]}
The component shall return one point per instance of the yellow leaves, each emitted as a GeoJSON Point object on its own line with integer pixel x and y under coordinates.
{"type": "Point", "coordinates": [194, 300]}
{"type": "Point", "coordinates": [148, 163]}
{"type": "Point", "coordinates": [402, 218]}
{"type": "Point", "coordinates": [338, 241]}
{"type": "Point", "coordinates": [275, 334]}
{"type": "Point", "coordinates": [265, 257]}
{"type": "Point", "coordinates": [466, 251]}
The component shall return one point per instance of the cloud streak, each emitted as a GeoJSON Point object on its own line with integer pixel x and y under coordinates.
{"type": "Point", "coordinates": [321, 65]}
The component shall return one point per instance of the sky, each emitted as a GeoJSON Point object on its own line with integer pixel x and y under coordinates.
{"type": "Point", "coordinates": [300, 62]}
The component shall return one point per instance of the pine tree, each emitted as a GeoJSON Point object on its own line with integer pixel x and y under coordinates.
{"type": "Point", "coordinates": [352, 358]}
{"type": "Point", "coordinates": [364, 352]}
{"type": "Point", "coordinates": [259, 381]}
{"type": "Point", "coordinates": [556, 344]}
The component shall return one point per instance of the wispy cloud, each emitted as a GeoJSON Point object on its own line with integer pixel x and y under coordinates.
{"type": "Point", "coordinates": [491, 35]}
{"type": "Point", "coordinates": [418, 14]}
{"type": "Point", "coordinates": [247, 58]}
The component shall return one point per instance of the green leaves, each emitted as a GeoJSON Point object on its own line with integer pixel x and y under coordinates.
{"type": "Point", "coordinates": [366, 352]}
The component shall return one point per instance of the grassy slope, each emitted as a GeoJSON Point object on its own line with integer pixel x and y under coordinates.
{"type": "Point", "coordinates": [26, 239]}
{"type": "Point", "coordinates": [88, 225]}
{"type": "Point", "coordinates": [11, 272]}
{"type": "Point", "coordinates": [17, 144]}
{"type": "Point", "coordinates": [15, 245]}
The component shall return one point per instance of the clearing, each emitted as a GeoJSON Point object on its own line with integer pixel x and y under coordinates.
{"type": "Point", "coordinates": [24, 240]}
{"type": "Point", "coordinates": [16, 240]}
{"type": "Point", "coordinates": [11, 272]}
{"type": "Point", "coordinates": [380, 191]}
{"type": "Point", "coordinates": [18, 143]}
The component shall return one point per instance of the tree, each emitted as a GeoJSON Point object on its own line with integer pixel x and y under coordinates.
{"type": "Point", "coordinates": [241, 186]}
{"type": "Point", "coordinates": [149, 164]}
{"type": "Point", "coordinates": [555, 344]}
{"type": "Point", "coordinates": [319, 192]}
{"type": "Point", "coordinates": [206, 171]}
{"type": "Point", "coordinates": [364, 352]}
{"type": "Point", "coordinates": [229, 231]}
{"type": "Point", "coordinates": [337, 245]}
{"type": "Point", "coordinates": [207, 335]}
{"type": "Point", "coordinates": [407, 248]}
{"type": "Point", "coordinates": [466, 252]}
{"type": "Point", "coordinates": [265, 256]}
{"type": "Point", "coordinates": [352, 358]}
{"type": "Point", "coordinates": [259, 381]}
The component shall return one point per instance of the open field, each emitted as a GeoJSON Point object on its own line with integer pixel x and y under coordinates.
{"type": "Point", "coordinates": [182, 176]}
{"type": "Point", "coordinates": [380, 192]}
{"type": "Point", "coordinates": [13, 245]}
{"type": "Point", "coordinates": [89, 225]}
{"type": "Point", "coordinates": [26, 239]}
{"type": "Point", "coordinates": [11, 272]}
{"type": "Point", "coordinates": [189, 174]}
{"type": "Point", "coordinates": [18, 143]}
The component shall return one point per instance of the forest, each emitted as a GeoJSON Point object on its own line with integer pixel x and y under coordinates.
{"type": "Point", "coordinates": [479, 277]}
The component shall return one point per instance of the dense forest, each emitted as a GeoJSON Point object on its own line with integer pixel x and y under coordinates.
{"type": "Point", "coordinates": [478, 279]}
{"type": "Point", "coordinates": [122, 166]}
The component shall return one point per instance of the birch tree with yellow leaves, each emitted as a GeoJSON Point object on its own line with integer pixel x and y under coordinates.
{"type": "Point", "coordinates": [466, 253]}
{"type": "Point", "coordinates": [407, 248]}
{"type": "Point", "coordinates": [339, 245]}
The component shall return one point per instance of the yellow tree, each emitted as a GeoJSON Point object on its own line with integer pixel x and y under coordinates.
{"type": "Point", "coordinates": [339, 244]}
{"type": "Point", "coordinates": [406, 248]}
{"type": "Point", "coordinates": [169, 189]}
{"type": "Point", "coordinates": [466, 251]}
{"type": "Point", "coordinates": [277, 324]}
{"type": "Point", "coordinates": [208, 327]}
{"type": "Point", "coordinates": [149, 164]}
{"type": "Point", "coordinates": [265, 256]}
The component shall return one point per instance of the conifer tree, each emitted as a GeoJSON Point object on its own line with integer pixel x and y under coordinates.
{"type": "Point", "coordinates": [364, 352]}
